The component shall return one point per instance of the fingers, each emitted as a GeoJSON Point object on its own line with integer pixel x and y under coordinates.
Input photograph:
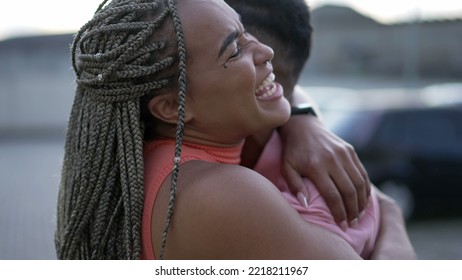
{"type": "Point", "coordinates": [333, 197]}
{"type": "Point", "coordinates": [324, 184]}
{"type": "Point", "coordinates": [343, 183]}
{"type": "Point", "coordinates": [340, 183]}
{"type": "Point", "coordinates": [352, 199]}
{"type": "Point", "coordinates": [362, 171]}
{"type": "Point", "coordinates": [296, 185]}
{"type": "Point", "coordinates": [333, 166]}
{"type": "Point", "coordinates": [352, 180]}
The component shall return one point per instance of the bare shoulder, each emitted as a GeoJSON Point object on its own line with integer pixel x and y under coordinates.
{"type": "Point", "coordinates": [231, 212]}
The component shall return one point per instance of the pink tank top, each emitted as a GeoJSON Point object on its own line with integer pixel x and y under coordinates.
{"type": "Point", "coordinates": [158, 164]}
{"type": "Point", "coordinates": [361, 237]}
{"type": "Point", "coordinates": [158, 156]}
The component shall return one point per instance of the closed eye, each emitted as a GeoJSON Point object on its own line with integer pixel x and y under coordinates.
{"type": "Point", "coordinates": [237, 53]}
{"type": "Point", "coordinates": [244, 40]}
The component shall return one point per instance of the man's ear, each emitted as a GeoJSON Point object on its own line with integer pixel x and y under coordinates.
{"type": "Point", "coordinates": [165, 107]}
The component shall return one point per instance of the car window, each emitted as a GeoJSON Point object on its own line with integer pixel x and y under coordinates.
{"type": "Point", "coordinates": [433, 132]}
{"type": "Point", "coordinates": [421, 131]}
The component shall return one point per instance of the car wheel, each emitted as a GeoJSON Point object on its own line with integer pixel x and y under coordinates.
{"type": "Point", "coordinates": [402, 194]}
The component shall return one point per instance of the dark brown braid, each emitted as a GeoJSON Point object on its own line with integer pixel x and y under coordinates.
{"type": "Point", "coordinates": [180, 122]}
{"type": "Point", "coordinates": [117, 61]}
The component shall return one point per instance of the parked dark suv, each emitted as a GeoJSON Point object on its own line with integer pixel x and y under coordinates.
{"type": "Point", "coordinates": [413, 154]}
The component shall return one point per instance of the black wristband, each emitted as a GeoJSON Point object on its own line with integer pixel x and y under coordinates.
{"type": "Point", "coordinates": [303, 109]}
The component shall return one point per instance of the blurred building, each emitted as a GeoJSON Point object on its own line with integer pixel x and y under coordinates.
{"type": "Point", "coordinates": [348, 43]}
{"type": "Point", "coordinates": [36, 84]}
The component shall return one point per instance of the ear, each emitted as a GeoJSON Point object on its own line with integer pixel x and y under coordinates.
{"type": "Point", "coordinates": [165, 107]}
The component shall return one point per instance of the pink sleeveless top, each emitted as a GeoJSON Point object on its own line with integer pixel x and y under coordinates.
{"type": "Point", "coordinates": [158, 156]}
{"type": "Point", "coordinates": [361, 237]}
{"type": "Point", "coordinates": [158, 164]}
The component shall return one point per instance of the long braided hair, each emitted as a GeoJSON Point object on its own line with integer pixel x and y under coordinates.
{"type": "Point", "coordinates": [130, 51]}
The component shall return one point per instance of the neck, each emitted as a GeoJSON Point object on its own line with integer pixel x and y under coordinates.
{"type": "Point", "coordinates": [196, 137]}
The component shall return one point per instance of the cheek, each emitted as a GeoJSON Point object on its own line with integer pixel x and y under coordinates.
{"type": "Point", "coordinates": [233, 84]}
{"type": "Point", "coordinates": [242, 76]}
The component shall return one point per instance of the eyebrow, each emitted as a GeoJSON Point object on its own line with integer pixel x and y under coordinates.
{"type": "Point", "coordinates": [228, 40]}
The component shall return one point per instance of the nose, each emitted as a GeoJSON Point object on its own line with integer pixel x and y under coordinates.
{"type": "Point", "coordinates": [263, 53]}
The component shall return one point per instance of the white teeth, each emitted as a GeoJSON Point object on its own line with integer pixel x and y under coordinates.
{"type": "Point", "coordinates": [267, 82]}
{"type": "Point", "coordinates": [269, 93]}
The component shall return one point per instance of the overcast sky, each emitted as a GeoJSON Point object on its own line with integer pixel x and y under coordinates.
{"type": "Point", "coordinates": [29, 17]}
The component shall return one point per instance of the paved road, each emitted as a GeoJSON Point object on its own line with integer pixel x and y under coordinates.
{"type": "Point", "coordinates": [29, 178]}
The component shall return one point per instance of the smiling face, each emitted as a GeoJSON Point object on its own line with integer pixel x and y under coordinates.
{"type": "Point", "coordinates": [230, 89]}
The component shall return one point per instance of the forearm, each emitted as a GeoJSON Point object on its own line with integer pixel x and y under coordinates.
{"type": "Point", "coordinates": [393, 241]}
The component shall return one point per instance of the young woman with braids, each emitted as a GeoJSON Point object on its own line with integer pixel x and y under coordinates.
{"type": "Point", "coordinates": [203, 85]}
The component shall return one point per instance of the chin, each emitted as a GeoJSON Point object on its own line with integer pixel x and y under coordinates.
{"type": "Point", "coordinates": [282, 116]}
{"type": "Point", "coordinates": [285, 111]}
{"type": "Point", "coordinates": [284, 119]}
{"type": "Point", "coordinates": [275, 115]}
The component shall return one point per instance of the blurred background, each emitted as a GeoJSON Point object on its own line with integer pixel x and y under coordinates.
{"type": "Point", "coordinates": [387, 77]}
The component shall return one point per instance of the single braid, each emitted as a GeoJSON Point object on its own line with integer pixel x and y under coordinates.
{"type": "Point", "coordinates": [180, 121]}
{"type": "Point", "coordinates": [116, 61]}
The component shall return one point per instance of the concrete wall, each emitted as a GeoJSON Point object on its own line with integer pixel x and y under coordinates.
{"type": "Point", "coordinates": [347, 43]}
